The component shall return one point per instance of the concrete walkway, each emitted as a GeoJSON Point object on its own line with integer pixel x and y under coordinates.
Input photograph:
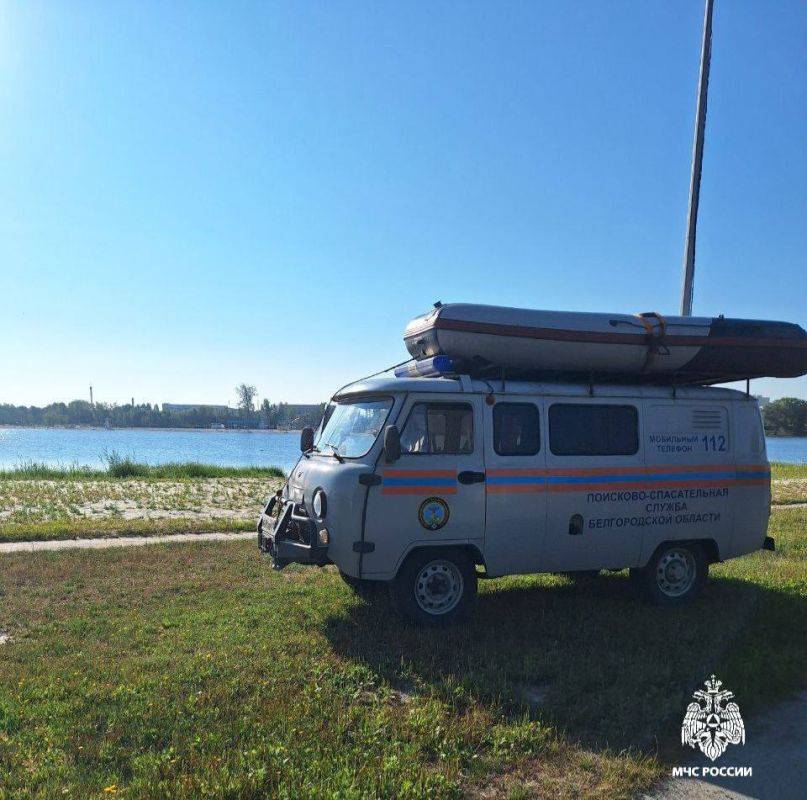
{"type": "Point", "coordinates": [775, 748]}
{"type": "Point", "coordinates": [121, 541]}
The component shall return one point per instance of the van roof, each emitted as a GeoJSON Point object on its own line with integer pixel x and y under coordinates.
{"type": "Point", "coordinates": [387, 383]}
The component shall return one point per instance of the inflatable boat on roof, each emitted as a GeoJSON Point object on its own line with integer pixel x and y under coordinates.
{"type": "Point", "coordinates": [646, 347]}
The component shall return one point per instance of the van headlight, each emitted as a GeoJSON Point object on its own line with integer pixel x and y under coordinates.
{"type": "Point", "coordinates": [319, 504]}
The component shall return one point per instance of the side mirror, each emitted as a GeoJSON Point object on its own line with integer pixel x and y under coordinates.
{"type": "Point", "coordinates": [306, 439]}
{"type": "Point", "coordinates": [392, 443]}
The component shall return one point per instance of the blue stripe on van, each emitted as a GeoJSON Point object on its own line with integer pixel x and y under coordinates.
{"type": "Point", "coordinates": [419, 481]}
{"type": "Point", "coordinates": [502, 479]}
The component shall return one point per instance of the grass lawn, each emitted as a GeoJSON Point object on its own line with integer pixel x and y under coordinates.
{"type": "Point", "coordinates": [195, 671]}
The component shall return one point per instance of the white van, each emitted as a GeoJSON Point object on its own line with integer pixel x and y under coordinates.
{"type": "Point", "coordinates": [427, 484]}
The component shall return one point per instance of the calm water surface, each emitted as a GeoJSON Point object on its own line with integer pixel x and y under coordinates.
{"type": "Point", "coordinates": [87, 446]}
{"type": "Point", "coordinates": [791, 450]}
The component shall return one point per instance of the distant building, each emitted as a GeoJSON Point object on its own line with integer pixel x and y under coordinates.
{"type": "Point", "coordinates": [763, 401]}
{"type": "Point", "coordinates": [239, 424]}
{"type": "Point", "coordinates": [179, 408]}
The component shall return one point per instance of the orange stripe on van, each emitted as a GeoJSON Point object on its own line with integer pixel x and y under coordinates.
{"type": "Point", "coordinates": [638, 470]}
{"type": "Point", "coordinates": [420, 473]}
{"type": "Point", "coordinates": [516, 488]}
{"type": "Point", "coordinates": [561, 472]}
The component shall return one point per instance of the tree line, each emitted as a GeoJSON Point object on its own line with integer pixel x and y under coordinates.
{"type": "Point", "coordinates": [786, 417]}
{"type": "Point", "coordinates": [146, 415]}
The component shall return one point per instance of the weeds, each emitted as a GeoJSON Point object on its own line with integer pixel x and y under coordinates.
{"type": "Point", "coordinates": [124, 467]}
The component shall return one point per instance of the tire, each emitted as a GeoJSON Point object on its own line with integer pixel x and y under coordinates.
{"type": "Point", "coordinates": [435, 586]}
{"type": "Point", "coordinates": [675, 574]}
{"type": "Point", "coordinates": [367, 590]}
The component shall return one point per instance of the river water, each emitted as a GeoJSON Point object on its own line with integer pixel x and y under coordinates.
{"type": "Point", "coordinates": [89, 446]}
{"type": "Point", "coordinates": [231, 448]}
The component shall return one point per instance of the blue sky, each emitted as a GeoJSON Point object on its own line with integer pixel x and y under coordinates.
{"type": "Point", "coordinates": [196, 194]}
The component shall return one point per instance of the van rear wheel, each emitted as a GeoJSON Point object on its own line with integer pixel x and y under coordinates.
{"type": "Point", "coordinates": [675, 574]}
{"type": "Point", "coordinates": [435, 586]}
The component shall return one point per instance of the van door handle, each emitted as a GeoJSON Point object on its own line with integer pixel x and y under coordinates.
{"type": "Point", "coordinates": [467, 477]}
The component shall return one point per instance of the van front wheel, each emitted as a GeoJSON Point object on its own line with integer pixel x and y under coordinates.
{"type": "Point", "coordinates": [675, 574]}
{"type": "Point", "coordinates": [435, 586]}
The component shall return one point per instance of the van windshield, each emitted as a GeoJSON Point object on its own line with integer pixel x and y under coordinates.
{"type": "Point", "coordinates": [350, 429]}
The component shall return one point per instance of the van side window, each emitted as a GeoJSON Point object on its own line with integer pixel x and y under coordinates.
{"type": "Point", "coordinates": [516, 429]}
{"type": "Point", "coordinates": [439, 429]}
{"type": "Point", "coordinates": [593, 430]}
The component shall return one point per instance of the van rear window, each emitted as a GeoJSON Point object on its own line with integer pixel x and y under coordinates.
{"type": "Point", "coordinates": [593, 430]}
{"type": "Point", "coordinates": [516, 429]}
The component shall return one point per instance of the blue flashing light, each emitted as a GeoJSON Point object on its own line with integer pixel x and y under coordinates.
{"type": "Point", "coordinates": [433, 367]}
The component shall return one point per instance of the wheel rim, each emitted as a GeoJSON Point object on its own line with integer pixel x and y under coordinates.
{"type": "Point", "coordinates": [676, 572]}
{"type": "Point", "coordinates": [438, 587]}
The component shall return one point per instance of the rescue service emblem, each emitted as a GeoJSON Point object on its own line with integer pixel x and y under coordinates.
{"type": "Point", "coordinates": [433, 513]}
{"type": "Point", "coordinates": [712, 723]}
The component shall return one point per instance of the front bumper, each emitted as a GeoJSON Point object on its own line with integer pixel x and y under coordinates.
{"type": "Point", "coordinates": [289, 536]}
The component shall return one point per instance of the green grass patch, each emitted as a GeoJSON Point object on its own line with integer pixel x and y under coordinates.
{"type": "Point", "coordinates": [780, 470]}
{"type": "Point", "coordinates": [195, 671]}
{"type": "Point", "coordinates": [126, 468]}
{"type": "Point", "coordinates": [112, 526]}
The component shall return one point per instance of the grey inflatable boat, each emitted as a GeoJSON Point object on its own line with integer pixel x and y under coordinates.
{"type": "Point", "coordinates": [646, 346]}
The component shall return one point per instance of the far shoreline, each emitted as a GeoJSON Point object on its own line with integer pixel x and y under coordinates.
{"type": "Point", "coordinates": [5, 426]}
{"type": "Point", "coordinates": [141, 428]}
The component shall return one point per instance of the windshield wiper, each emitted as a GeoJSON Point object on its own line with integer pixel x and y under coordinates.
{"type": "Point", "coordinates": [335, 452]}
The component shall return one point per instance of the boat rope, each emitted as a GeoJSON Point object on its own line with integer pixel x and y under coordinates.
{"type": "Point", "coordinates": [654, 340]}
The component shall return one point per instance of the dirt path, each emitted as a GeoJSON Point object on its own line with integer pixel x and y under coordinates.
{"type": "Point", "coordinates": [122, 541]}
{"type": "Point", "coordinates": [775, 744]}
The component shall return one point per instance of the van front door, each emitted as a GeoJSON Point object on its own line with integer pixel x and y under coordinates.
{"type": "Point", "coordinates": [435, 492]}
{"type": "Point", "coordinates": [516, 486]}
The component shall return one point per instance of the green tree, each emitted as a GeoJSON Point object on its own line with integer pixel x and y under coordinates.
{"type": "Point", "coordinates": [267, 413]}
{"type": "Point", "coordinates": [55, 414]}
{"type": "Point", "coordinates": [80, 412]}
{"type": "Point", "coordinates": [786, 417]}
{"type": "Point", "coordinates": [246, 397]}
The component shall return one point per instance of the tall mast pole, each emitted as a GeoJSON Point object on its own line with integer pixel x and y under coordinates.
{"type": "Point", "coordinates": [697, 163]}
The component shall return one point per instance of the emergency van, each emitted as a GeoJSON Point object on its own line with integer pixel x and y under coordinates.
{"type": "Point", "coordinates": [424, 485]}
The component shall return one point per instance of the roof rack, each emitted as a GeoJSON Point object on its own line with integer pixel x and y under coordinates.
{"type": "Point", "coordinates": [445, 366]}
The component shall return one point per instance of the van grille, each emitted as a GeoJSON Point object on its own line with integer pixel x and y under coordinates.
{"type": "Point", "coordinates": [707, 419]}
